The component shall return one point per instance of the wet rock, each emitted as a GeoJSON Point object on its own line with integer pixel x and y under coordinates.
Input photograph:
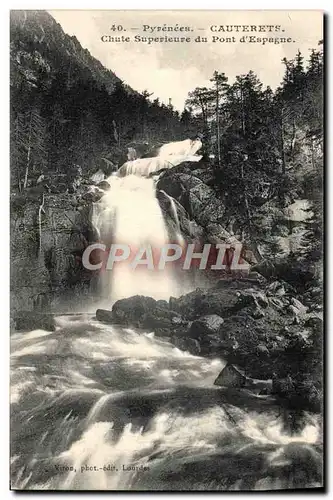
{"type": "Point", "coordinates": [234, 376]}
{"type": "Point", "coordinates": [31, 320]}
{"type": "Point", "coordinates": [44, 256]}
{"type": "Point", "coordinates": [220, 301]}
{"type": "Point", "coordinates": [205, 174]}
{"type": "Point", "coordinates": [298, 306]}
{"type": "Point", "coordinates": [132, 310]}
{"type": "Point", "coordinates": [206, 325]}
{"type": "Point", "coordinates": [161, 319]}
{"type": "Point", "coordinates": [93, 195]}
{"type": "Point", "coordinates": [259, 386]}
{"type": "Point", "coordinates": [198, 199]}
{"type": "Point", "coordinates": [187, 344]}
{"type": "Point", "coordinates": [252, 297]}
{"type": "Point", "coordinates": [97, 177]}
{"type": "Point", "coordinates": [231, 376]}
{"type": "Point", "coordinates": [104, 185]}
{"type": "Point", "coordinates": [105, 316]}
{"type": "Point", "coordinates": [276, 288]}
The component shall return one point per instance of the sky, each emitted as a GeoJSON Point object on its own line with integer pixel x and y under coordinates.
{"type": "Point", "coordinates": [171, 70]}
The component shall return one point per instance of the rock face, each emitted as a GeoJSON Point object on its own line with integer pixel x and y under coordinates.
{"type": "Point", "coordinates": [27, 321]}
{"type": "Point", "coordinates": [198, 199]}
{"type": "Point", "coordinates": [48, 236]}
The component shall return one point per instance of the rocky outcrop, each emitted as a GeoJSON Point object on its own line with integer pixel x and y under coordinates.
{"type": "Point", "coordinates": [28, 320]}
{"type": "Point", "coordinates": [219, 301]}
{"type": "Point", "coordinates": [48, 235]}
{"type": "Point", "coordinates": [144, 312]}
{"type": "Point", "coordinates": [198, 199]}
{"type": "Point", "coordinates": [105, 316]}
{"type": "Point", "coordinates": [230, 376]}
{"type": "Point", "coordinates": [132, 311]}
{"type": "Point", "coordinates": [233, 376]}
{"type": "Point", "coordinates": [205, 326]}
{"type": "Point", "coordinates": [263, 351]}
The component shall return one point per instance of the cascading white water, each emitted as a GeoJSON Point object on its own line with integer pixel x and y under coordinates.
{"type": "Point", "coordinates": [175, 217]}
{"type": "Point", "coordinates": [94, 404]}
{"type": "Point", "coordinates": [170, 155]}
{"type": "Point", "coordinates": [129, 214]}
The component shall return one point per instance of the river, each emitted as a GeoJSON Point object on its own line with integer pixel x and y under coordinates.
{"type": "Point", "coordinates": [99, 407]}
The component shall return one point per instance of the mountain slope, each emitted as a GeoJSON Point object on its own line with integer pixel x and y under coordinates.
{"type": "Point", "coordinates": [38, 40]}
{"type": "Point", "coordinates": [68, 109]}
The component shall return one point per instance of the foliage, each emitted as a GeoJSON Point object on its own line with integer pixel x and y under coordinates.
{"type": "Point", "coordinates": [67, 109]}
{"type": "Point", "coordinates": [268, 149]}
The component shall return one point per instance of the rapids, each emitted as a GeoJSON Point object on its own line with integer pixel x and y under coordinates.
{"type": "Point", "coordinates": [105, 408]}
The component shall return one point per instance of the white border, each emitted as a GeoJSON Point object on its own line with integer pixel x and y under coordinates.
{"type": "Point", "coordinates": [325, 5]}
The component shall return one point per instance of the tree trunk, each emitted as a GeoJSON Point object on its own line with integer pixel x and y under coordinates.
{"type": "Point", "coordinates": [40, 211]}
{"type": "Point", "coordinates": [218, 126]}
{"type": "Point", "coordinates": [283, 156]}
{"type": "Point", "coordinates": [28, 154]}
{"type": "Point", "coordinates": [242, 110]}
{"type": "Point", "coordinates": [204, 113]}
{"type": "Point", "coordinates": [293, 139]}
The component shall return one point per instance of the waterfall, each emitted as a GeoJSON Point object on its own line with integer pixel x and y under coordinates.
{"type": "Point", "coordinates": [148, 166]}
{"type": "Point", "coordinates": [170, 155]}
{"type": "Point", "coordinates": [129, 214]}
{"type": "Point", "coordinates": [175, 217]}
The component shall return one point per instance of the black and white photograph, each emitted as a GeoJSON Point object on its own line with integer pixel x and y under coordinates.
{"type": "Point", "coordinates": [166, 250]}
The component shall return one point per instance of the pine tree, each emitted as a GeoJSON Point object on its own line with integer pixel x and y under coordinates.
{"type": "Point", "coordinates": [220, 86]}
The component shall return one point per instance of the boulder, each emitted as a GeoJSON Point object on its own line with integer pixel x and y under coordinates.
{"type": "Point", "coordinates": [105, 316]}
{"type": "Point", "coordinates": [276, 289]}
{"type": "Point", "coordinates": [187, 344]}
{"type": "Point", "coordinates": [254, 300]}
{"type": "Point", "coordinates": [205, 325]}
{"type": "Point", "coordinates": [220, 301]}
{"type": "Point", "coordinates": [231, 376]}
{"type": "Point", "coordinates": [259, 386]}
{"type": "Point", "coordinates": [252, 297]}
{"type": "Point", "coordinates": [104, 185]}
{"type": "Point", "coordinates": [163, 319]}
{"type": "Point", "coordinates": [31, 320]}
{"type": "Point", "coordinates": [298, 306]}
{"type": "Point", "coordinates": [205, 174]}
{"type": "Point", "coordinates": [93, 194]}
{"type": "Point", "coordinates": [198, 199]}
{"type": "Point", "coordinates": [132, 310]}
